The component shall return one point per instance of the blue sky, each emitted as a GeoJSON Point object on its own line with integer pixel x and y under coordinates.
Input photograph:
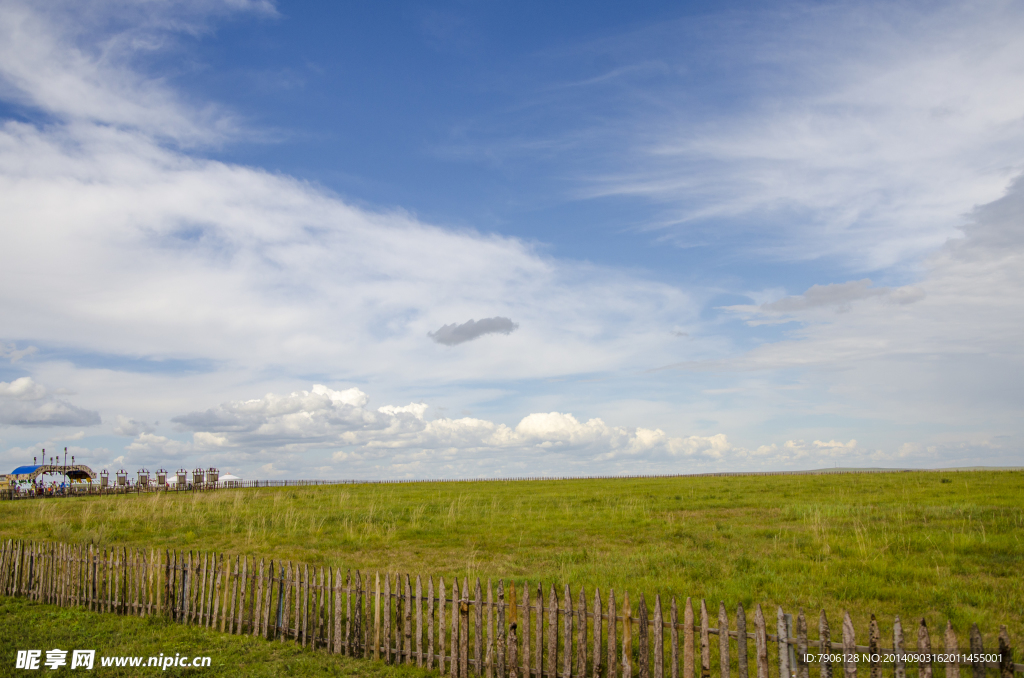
{"type": "Point", "coordinates": [483, 239]}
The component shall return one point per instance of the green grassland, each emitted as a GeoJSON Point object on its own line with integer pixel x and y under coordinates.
{"type": "Point", "coordinates": [26, 625]}
{"type": "Point", "coordinates": [941, 546]}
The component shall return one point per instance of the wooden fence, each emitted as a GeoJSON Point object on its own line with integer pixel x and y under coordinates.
{"type": "Point", "coordinates": [501, 631]}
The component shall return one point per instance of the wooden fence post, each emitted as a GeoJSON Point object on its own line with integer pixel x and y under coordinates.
{"type": "Point", "coordinates": [952, 666]}
{"type": "Point", "coordinates": [376, 619]}
{"type": "Point", "coordinates": [501, 642]}
{"type": "Point", "coordinates": [924, 647]}
{"type": "Point", "coordinates": [850, 648]}
{"type": "Point", "coordinates": [1006, 667]}
{"type": "Point", "coordinates": [783, 631]}
{"type": "Point", "coordinates": [825, 643]}
{"type": "Point", "coordinates": [723, 640]}
{"type": "Point", "coordinates": [705, 642]}
{"type": "Point", "coordinates": [613, 643]}
{"type": "Point", "coordinates": [977, 648]}
{"type": "Point", "coordinates": [478, 622]}
{"type": "Point", "coordinates": [627, 636]}
{"type": "Point", "coordinates": [567, 623]}
{"type": "Point", "coordinates": [874, 638]}
{"type": "Point", "coordinates": [464, 630]}
{"type": "Point", "coordinates": [430, 623]}
{"type": "Point", "coordinates": [761, 643]}
{"type": "Point", "coordinates": [512, 660]}
{"type": "Point", "coordinates": [418, 602]}
{"type": "Point", "coordinates": [803, 670]}
{"type": "Point", "coordinates": [552, 650]}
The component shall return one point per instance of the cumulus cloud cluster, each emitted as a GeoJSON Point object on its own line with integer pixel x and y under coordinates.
{"type": "Point", "coordinates": [399, 438]}
{"type": "Point", "coordinates": [23, 402]}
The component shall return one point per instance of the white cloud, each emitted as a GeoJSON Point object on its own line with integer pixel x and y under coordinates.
{"type": "Point", "coordinates": [860, 132]}
{"type": "Point", "coordinates": [23, 402]}
{"type": "Point", "coordinates": [325, 419]}
{"type": "Point", "coordinates": [131, 427]}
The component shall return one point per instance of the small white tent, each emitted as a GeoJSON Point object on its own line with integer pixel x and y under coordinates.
{"type": "Point", "coordinates": [229, 481]}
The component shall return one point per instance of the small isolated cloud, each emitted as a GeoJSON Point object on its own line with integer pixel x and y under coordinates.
{"type": "Point", "coordinates": [23, 402]}
{"type": "Point", "coordinates": [451, 335]}
{"type": "Point", "coordinates": [131, 428]}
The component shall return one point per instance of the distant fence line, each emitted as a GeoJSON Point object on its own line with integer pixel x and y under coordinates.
{"type": "Point", "coordinates": [82, 489]}
{"type": "Point", "coordinates": [489, 633]}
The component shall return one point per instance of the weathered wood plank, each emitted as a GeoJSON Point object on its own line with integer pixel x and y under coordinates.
{"type": "Point", "coordinates": [783, 643]}
{"type": "Point", "coordinates": [644, 640]}
{"type": "Point", "coordinates": [612, 666]}
{"type": "Point", "coordinates": [512, 658]}
{"type": "Point", "coordinates": [849, 647]}
{"type": "Point", "coordinates": [489, 652]}
{"type": "Point", "coordinates": [900, 665]}
{"type": "Point", "coordinates": [346, 641]}
{"type": "Point", "coordinates": [874, 641]}
{"type": "Point", "coordinates": [659, 639]}
{"type": "Point", "coordinates": [803, 669]}
{"type": "Point", "coordinates": [243, 585]}
{"type": "Point", "coordinates": [525, 650]}
{"type": "Point", "coordinates": [304, 598]}
{"type": "Point", "coordinates": [453, 659]}
{"type": "Point", "coordinates": [1006, 667]}
{"type": "Point", "coordinates": [267, 633]}
{"type": "Point", "coordinates": [977, 648]}
{"type": "Point", "coordinates": [258, 602]}
{"type": "Point", "coordinates": [688, 646]}
{"type": "Point", "coordinates": [419, 621]}
{"type": "Point", "coordinates": [674, 639]}
{"type": "Point", "coordinates": [464, 630]}
{"type": "Point", "coordinates": [551, 665]}
{"type": "Point", "coordinates": [761, 643]}
{"type": "Point", "coordinates": [705, 641]}
{"type": "Point", "coordinates": [376, 618]}
{"type": "Point", "coordinates": [581, 634]}
{"type": "Point", "coordinates": [500, 641]}
{"type": "Point", "coordinates": [568, 619]}
{"type": "Point", "coordinates": [367, 629]}
{"type": "Point", "coordinates": [627, 637]}
{"type": "Point", "coordinates": [387, 618]}
{"type": "Point", "coordinates": [478, 622]}
{"type": "Point", "coordinates": [952, 666]}
{"type": "Point", "coordinates": [407, 621]}
{"type": "Point", "coordinates": [742, 668]}
{"type": "Point", "coordinates": [924, 646]}
{"type": "Point", "coordinates": [187, 586]}
{"type": "Point", "coordinates": [217, 593]}
{"type": "Point", "coordinates": [597, 636]}
{"type": "Point", "coordinates": [358, 631]}
{"type": "Point", "coordinates": [825, 643]}
{"type": "Point", "coordinates": [538, 626]}
{"type": "Point", "coordinates": [430, 623]}
{"type": "Point", "coordinates": [723, 641]}
{"type": "Point", "coordinates": [229, 614]}
{"type": "Point", "coordinates": [441, 646]}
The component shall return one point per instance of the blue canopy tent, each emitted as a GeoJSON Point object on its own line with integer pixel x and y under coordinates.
{"type": "Point", "coordinates": [30, 473]}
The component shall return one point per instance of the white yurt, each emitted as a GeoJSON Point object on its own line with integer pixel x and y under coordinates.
{"type": "Point", "coordinates": [229, 480]}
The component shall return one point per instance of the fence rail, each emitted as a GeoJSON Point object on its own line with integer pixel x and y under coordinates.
{"type": "Point", "coordinates": [495, 631]}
